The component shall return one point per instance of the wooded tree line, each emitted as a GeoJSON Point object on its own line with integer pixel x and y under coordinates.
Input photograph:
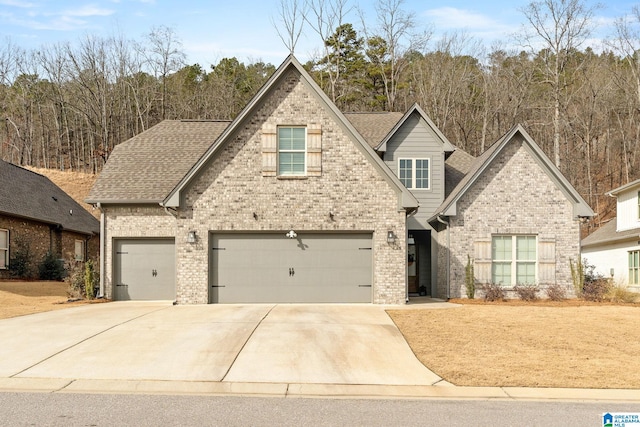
{"type": "Point", "coordinates": [67, 105]}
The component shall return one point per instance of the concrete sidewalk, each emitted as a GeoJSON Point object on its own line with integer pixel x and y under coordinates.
{"type": "Point", "coordinates": [260, 350]}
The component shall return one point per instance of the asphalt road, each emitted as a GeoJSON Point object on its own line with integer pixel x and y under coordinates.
{"type": "Point", "coordinates": [67, 409]}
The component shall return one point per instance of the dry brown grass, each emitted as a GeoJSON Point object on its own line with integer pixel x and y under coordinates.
{"type": "Point", "coordinates": [18, 298]}
{"type": "Point", "coordinates": [75, 184]}
{"type": "Point", "coordinates": [567, 344]}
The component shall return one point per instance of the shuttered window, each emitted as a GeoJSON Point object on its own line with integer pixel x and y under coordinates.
{"type": "Point", "coordinates": [291, 150]}
{"type": "Point", "coordinates": [4, 249]}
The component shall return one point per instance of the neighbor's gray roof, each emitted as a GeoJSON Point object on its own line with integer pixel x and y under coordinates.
{"type": "Point", "coordinates": [607, 234]}
{"type": "Point", "coordinates": [147, 167]}
{"type": "Point", "coordinates": [26, 194]}
{"type": "Point", "coordinates": [373, 127]}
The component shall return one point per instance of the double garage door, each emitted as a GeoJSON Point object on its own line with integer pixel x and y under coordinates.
{"type": "Point", "coordinates": [271, 268]}
{"type": "Point", "coordinates": [254, 268]}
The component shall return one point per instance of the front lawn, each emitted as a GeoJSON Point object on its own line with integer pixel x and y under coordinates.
{"type": "Point", "coordinates": [566, 345]}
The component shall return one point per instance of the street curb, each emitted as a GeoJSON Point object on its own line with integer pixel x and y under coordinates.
{"type": "Point", "coordinates": [299, 390]}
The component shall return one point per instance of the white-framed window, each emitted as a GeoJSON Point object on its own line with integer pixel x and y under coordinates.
{"type": "Point", "coordinates": [415, 173]}
{"type": "Point", "coordinates": [634, 267]}
{"type": "Point", "coordinates": [638, 205]}
{"type": "Point", "coordinates": [513, 260]}
{"type": "Point", "coordinates": [79, 250]}
{"type": "Point", "coordinates": [292, 150]}
{"type": "Point", "coordinates": [4, 249]}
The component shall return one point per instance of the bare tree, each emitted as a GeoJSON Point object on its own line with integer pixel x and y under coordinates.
{"type": "Point", "coordinates": [558, 27]}
{"type": "Point", "coordinates": [292, 15]}
{"type": "Point", "coordinates": [164, 56]}
{"type": "Point", "coordinates": [387, 44]}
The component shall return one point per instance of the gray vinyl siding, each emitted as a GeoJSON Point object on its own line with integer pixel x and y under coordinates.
{"type": "Point", "coordinates": [416, 140]}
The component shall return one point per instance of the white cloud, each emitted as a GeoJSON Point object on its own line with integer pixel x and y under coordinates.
{"type": "Point", "coordinates": [88, 10]}
{"type": "Point", "coordinates": [17, 3]}
{"type": "Point", "coordinates": [452, 18]}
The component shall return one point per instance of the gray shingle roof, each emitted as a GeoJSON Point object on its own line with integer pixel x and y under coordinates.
{"type": "Point", "coordinates": [608, 234]}
{"type": "Point", "coordinates": [147, 167]}
{"type": "Point", "coordinates": [26, 194]}
{"type": "Point", "coordinates": [373, 126]}
{"type": "Point", "coordinates": [457, 165]}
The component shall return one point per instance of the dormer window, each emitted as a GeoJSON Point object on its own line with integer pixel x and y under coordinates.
{"type": "Point", "coordinates": [415, 174]}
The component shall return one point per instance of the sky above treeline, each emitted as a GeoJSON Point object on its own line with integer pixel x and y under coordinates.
{"type": "Point", "coordinates": [212, 30]}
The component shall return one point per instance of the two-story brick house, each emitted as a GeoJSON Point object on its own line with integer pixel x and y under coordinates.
{"type": "Point", "coordinates": [293, 201]}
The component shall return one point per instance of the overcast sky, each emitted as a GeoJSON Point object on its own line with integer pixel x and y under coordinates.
{"type": "Point", "coordinates": [211, 30]}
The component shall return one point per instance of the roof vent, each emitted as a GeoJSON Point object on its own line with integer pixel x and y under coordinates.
{"type": "Point", "coordinates": [55, 199]}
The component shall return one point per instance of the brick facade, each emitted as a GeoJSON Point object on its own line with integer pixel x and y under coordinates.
{"type": "Point", "coordinates": [514, 195]}
{"type": "Point", "coordinates": [42, 238]}
{"type": "Point", "coordinates": [231, 188]}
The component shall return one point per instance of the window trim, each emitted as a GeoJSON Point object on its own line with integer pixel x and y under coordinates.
{"type": "Point", "coordinates": [304, 152]}
{"type": "Point", "coordinates": [633, 269]}
{"type": "Point", "coordinates": [514, 261]}
{"type": "Point", "coordinates": [414, 161]}
{"type": "Point", "coordinates": [638, 200]}
{"type": "Point", "coordinates": [5, 251]}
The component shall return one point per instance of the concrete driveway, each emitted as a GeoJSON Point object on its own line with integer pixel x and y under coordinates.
{"type": "Point", "coordinates": [271, 343]}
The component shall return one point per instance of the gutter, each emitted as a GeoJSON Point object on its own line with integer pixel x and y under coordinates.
{"type": "Point", "coordinates": [446, 224]}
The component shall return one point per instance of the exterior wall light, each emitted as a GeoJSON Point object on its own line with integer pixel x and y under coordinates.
{"type": "Point", "coordinates": [291, 234]}
{"type": "Point", "coordinates": [191, 236]}
{"type": "Point", "coordinates": [391, 237]}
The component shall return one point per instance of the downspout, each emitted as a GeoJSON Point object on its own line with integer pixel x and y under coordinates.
{"type": "Point", "coordinates": [446, 224]}
{"type": "Point", "coordinates": [102, 258]}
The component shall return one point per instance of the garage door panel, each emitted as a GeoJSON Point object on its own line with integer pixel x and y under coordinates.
{"type": "Point", "coordinates": [272, 268]}
{"type": "Point", "coordinates": [144, 269]}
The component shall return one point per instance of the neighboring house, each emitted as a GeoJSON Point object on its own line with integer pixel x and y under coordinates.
{"type": "Point", "coordinates": [294, 201]}
{"type": "Point", "coordinates": [614, 248]}
{"type": "Point", "coordinates": [37, 214]}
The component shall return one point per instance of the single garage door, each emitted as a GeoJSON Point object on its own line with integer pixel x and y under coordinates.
{"type": "Point", "coordinates": [255, 268]}
{"type": "Point", "coordinates": [144, 270]}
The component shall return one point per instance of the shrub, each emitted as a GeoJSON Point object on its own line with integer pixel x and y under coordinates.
{"type": "Point", "coordinates": [75, 280]}
{"type": "Point", "coordinates": [619, 293]}
{"type": "Point", "coordinates": [469, 279]}
{"type": "Point", "coordinates": [83, 280]}
{"type": "Point", "coordinates": [20, 262]}
{"type": "Point", "coordinates": [527, 292]}
{"type": "Point", "coordinates": [577, 276]}
{"type": "Point", "coordinates": [555, 292]}
{"type": "Point", "coordinates": [91, 278]}
{"type": "Point", "coordinates": [51, 268]}
{"type": "Point", "coordinates": [492, 292]}
{"type": "Point", "coordinates": [595, 290]}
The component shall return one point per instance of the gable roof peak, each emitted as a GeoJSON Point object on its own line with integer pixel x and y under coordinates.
{"type": "Point", "coordinates": [415, 108]}
{"type": "Point", "coordinates": [449, 208]}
